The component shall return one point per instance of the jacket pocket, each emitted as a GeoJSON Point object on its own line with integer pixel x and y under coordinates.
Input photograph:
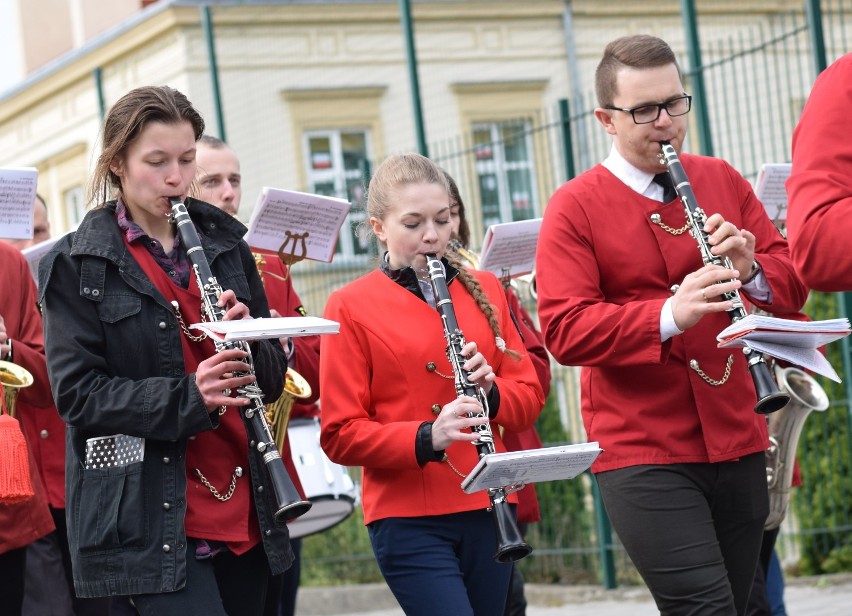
{"type": "Point", "coordinates": [112, 508]}
{"type": "Point", "coordinates": [115, 307]}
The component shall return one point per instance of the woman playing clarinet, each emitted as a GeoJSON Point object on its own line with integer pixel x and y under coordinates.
{"type": "Point", "coordinates": [168, 501]}
{"type": "Point", "coordinates": [389, 402]}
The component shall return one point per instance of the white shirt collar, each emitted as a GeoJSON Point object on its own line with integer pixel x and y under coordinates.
{"type": "Point", "coordinates": [640, 181]}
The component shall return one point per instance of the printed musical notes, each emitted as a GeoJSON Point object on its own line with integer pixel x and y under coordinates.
{"type": "Point", "coordinates": [301, 224]}
{"type": "Point", "coordinates": [510, 248]}
{"type": "Point", "coordinates": [17, 198]}
{"type": "Point", "coordinates": [769, 188]}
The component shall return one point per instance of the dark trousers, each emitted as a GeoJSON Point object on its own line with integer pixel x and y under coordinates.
{"type": "Point", "coordinates": [282, 591]}
{"type": "Point", "coordinates": [693, 530]}
{"type": "Point", "coordinates": [12, 566]}
{"type": "Point", "coordinates": [758, 601]}
{"type": "Point", "coordinates": [442, 565]}
{"type": "Point", "coordinates": [49, 585]}
{"type": "Point", "coordinates": [225, 585]}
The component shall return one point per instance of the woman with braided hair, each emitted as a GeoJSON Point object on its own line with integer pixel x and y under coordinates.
{"type": "Point", "coordinates": [394, 410]}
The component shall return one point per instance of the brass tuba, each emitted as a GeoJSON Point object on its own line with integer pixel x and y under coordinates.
{"type": "Point", "coordinates": [785, 426]}
{"type": "Point", "coordinates": [278, 412]}
{"type": "Point", "coordinates": [13, 378]}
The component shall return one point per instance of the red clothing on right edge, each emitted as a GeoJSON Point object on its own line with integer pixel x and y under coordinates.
{"type": "Point", "coordinates": [604, 270]}
{"type": "Point", "coordinates": [820, 185]}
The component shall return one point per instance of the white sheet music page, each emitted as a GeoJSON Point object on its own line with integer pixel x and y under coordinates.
{"type": "Point", "coordinates": [510, 247]}
{"type": "Point", "coordinates": [305, 225]}
{"type": "Point", "coordinates": [17, 202]}
{"type": "Point", "coordinates": [512, 468]}
{"type": "Point", "coordinates": [770, 189]}
{"type": "Point", "coordinates": [794, 341]}
{"type": "Point", "coordinates": [34, 254]}
{"type": "Point", "coordinates": [273, 327]}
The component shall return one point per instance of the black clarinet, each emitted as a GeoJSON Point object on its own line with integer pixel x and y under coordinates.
{"type": "Point", "coordinates": [289, 504]}
{"type": "Point", "coordinates": [769, 397]}
{"type": "Point", "coordinates": [510, 544]}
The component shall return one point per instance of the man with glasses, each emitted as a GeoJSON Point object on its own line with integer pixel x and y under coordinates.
{"type": "Point", "coordinates": [623, 292]}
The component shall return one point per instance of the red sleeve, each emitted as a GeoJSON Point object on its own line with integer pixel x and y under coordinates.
{"type": "Point", "coordinates": [283, 297]}
{"type": "Point", "coordinates": [533, 340]}
{"type": "Point", "coordinates": [24, 325]}
{"type": "Point", "coordinates": [820, 185]}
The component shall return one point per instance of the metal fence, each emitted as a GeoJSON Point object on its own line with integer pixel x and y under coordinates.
{"type": "Point", "coordinates": [757, 78]}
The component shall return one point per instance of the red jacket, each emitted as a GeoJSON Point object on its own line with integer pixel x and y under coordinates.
{"type": "Point", "coordinates": [820, 185]}
{"type": "Point", "coordinates": [377, 389]}
{"type": "Point", "coordinates": [604, 271]}
{"type": "Point", "coordinates": [23, 523]}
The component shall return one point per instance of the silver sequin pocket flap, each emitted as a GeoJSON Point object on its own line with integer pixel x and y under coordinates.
{"type": "Point", "coordinates": [115, 450]}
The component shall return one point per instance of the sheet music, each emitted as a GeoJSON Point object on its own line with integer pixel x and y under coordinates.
{"type": "Point", "coordinates": [34, 254]}
{"type": "Point", "coordinates": [510, 247]}
{"type": "Point", "coordinates": [499, 470]}
{"type": "Point", "coordinates": [273, 327]}
{"type": "Point", "coordinates": [309, 224]}
{"type": "Point", "coordinates": [771, 191]}
{"type": "Point", "coordinates": [794, 341]}
{"type": "Point", "coordinates": [17, 202]}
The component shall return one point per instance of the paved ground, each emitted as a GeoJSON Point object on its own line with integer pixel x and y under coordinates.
{"type": "Point", "coordinates": [821, 596]}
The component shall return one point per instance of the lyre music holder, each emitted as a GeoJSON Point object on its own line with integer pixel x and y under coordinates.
{"type": "Point", "coordinates": [299, 250]}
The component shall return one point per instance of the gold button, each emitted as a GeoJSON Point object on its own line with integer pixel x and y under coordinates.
{"type": "Point", "coordinates": [436, 409]}
{"type": "Point", "coordinates": [431, 367]}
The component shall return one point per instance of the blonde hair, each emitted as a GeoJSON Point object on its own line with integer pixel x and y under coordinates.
{"type": "Point", "coordinates": [412, 168]}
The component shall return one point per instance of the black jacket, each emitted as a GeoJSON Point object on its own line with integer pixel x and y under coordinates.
{"type": "Point", "coordinates": [116, 367]}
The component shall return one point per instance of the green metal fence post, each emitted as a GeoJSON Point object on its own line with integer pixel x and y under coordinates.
{"type": "Point", "coordinates": [696, 72]}
{"type": "Point", "coordinates": [411, 53]}
{"type": "Point", "coordinates": [604, 539]}
{"type": "Point", "coordinates": [814, 10]}
{"type": "Point", "coordinates": [207, 27]}
{"type": "Point", "coordinates": [98, 76]}
{"type": "Point", "coordinates": [567, 144]}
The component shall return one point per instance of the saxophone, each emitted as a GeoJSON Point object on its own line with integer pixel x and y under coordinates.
{"type": "Point", "coordinates": [510, 544]}
{"type": "Point", "coordinates": [785, 426]}
{"type": "Point", "coordinates": [289, 504]}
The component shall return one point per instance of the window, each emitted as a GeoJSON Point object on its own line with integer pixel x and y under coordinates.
{"type": "Point", "coordinates": [505, 171]}
{"type": "Point", "coordinates": [337, 161]}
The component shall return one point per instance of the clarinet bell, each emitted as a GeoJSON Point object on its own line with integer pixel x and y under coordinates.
{"type": "Point", "coordinates": [769, 397]}
{"type": "Point", "coordinates": [510, 544]}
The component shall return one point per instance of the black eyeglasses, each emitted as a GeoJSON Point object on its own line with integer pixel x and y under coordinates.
{"type": "Point", "coordinates": [650, 113]}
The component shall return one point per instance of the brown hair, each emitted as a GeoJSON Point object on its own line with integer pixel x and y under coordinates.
{"type": "Point", "coordinates": [455, 197]}
{"type": "Point", "coordinates": [126, 120]}
{"type": "Point", "coordinates": [412, 168]}
{"type": "Point", "coordinates": [635, 51]}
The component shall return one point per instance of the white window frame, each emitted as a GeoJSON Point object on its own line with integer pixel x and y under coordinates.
{"type": "Point", "coordinates": [499, 167]}
{"type": "Point", "coordinates": [337, 175]}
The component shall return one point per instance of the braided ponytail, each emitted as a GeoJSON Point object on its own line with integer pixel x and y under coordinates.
{"type": "Point", "coordinates": [481, 298]}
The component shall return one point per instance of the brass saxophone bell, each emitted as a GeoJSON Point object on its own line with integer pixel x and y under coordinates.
{"type": "Point", "coordinates": [278, 412]}
{"type": "Point", "coordinates": [13, 378]}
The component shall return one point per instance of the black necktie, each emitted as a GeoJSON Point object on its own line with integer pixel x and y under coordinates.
{"type": "Point", "coordinates": [664, 180]}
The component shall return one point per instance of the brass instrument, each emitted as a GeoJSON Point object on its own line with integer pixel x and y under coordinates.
{"type": "Point", "coordinates": [295, 385]}
{"type": "Point", "coordinates": [785, 426]}
{"type": "Point", "coordinates": [13, 378]}
{"type": "Point", "coordinates": [278, 412]}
